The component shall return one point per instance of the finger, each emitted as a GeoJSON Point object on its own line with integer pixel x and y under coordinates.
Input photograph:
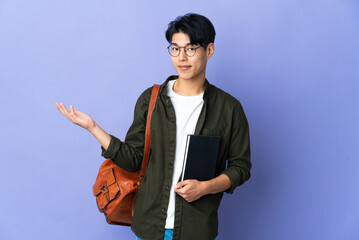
{"type": "Point", "coordinates": [67, 113]}
{"type": "Point", "coordinates": [75, 111]}
{"type": "Point", "coordinates": [61, 109]}
{"type": "Point", "coordinates": [78, 113]}
{"type": "Point", "coordinates": [64, 110]}
{"type": "Point", "coordinates": [72, 114]}
{"type": "Point", "coordinates": [181, 194]}
{"type": "Point", "coordinates": [181, 184]}
{"type": "Point", "coordinates": [179, 191]}
{"type": "Point", "coordinates": [58, 106]}
{"type": "Point", "coordinates": [72, 110]}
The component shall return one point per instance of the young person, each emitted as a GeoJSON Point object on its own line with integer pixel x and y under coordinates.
{"type": "Point", "coordinates": [166, 207]}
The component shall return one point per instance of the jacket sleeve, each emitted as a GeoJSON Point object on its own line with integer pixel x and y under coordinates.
{"type": "Point", "coordinates": [128, 155]}
{"type": "Point", "coordinates": [239, 164]}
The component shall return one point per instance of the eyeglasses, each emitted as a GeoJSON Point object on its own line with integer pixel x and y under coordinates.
{"type": "Point", "coordinates": [189, 50]}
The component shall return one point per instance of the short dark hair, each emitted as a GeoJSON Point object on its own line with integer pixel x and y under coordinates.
{"type": "Point", "coordinates": [198, 28]}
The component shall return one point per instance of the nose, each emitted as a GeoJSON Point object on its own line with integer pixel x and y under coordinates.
{"type": "Point", "coordinates": [182, 55]}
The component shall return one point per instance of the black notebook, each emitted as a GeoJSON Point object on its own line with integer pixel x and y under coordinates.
{"type": "Point", "coordinates": [200, 157]}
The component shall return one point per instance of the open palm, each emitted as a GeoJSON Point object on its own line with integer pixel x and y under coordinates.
{"type": "Point", "coordinates": [76, 116]}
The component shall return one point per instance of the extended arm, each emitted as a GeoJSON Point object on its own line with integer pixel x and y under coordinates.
{"type": "Point", "coordinates": [127, 155]}
{"type": "Point", "coordinates": [85, 121]}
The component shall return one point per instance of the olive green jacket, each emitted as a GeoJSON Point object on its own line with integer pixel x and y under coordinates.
{"type": "Point", "coordinates": [221, 115]}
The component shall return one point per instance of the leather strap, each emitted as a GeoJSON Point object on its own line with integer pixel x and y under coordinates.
{"type": "Point", "coordinates": [146, 154]}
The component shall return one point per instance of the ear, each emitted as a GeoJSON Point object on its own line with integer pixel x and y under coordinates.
{"type": "Point", "coordinates": [210, 50]}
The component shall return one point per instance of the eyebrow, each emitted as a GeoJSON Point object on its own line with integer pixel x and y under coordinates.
{"type": "Point", "coordinates": [172, 43]}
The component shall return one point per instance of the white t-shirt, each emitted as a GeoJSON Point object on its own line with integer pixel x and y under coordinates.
{"type": "Point", "coordinates": [187, 110]}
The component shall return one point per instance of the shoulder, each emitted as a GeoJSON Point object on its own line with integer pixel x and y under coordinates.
{"type": "Point", "coordinates": [145, 96]}
{"type": "Point", "coordinates": [227, 105]}
{"type": "Point", "coordinates": [220, 96]}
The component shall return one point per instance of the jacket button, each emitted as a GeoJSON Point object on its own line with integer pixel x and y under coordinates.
{"type": "Point", "coordinates": [172, 142]}
{"type": "Point", "coordinates": [167, 187]}
{"type": "Point", "coordinates": [170, 165]}
{"type": "Point", "coordinates": [163, 209]}
{"type": "Point", "coordinates": [172, 120]}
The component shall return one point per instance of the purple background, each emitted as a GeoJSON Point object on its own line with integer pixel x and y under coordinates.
{"type": "Point", "coordinates": [294, 65]}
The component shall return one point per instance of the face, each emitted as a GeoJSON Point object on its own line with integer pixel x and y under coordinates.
{"type": "Point", "coordinates": [190, 68]}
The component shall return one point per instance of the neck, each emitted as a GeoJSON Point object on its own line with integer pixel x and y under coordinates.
{"type": "Point", "coordinates": [187, 87]}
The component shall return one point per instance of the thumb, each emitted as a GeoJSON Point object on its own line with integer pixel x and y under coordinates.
{"type": "Point", "coordinates": [181, 184]}
{"type": "Point", "coordinates": [77, 112]}
{"type": "Point", "coordinates": [73, 109]}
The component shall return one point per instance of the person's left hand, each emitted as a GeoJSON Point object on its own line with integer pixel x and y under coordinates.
{"type": "Point", "coordinates": [191, 189]}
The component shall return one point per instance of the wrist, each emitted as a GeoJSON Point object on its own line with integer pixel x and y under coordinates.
{"type": "Point", "coordinates": [92, 128]}
{"type": "Point", "coordinates": [205, 187]}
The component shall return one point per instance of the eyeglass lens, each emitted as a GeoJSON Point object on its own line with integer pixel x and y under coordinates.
{"type": "Point", "coordinates": [174, 50]}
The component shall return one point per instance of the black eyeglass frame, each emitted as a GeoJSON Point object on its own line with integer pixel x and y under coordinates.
{"type": "Point", "coordinates": [184, 49]}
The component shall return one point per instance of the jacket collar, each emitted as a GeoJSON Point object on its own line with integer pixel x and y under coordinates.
{"type": "Point", "coordinates": [207, 86]}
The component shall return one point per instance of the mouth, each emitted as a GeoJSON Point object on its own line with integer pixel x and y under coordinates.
{"type": "Point", "coordinates": [184, 67]}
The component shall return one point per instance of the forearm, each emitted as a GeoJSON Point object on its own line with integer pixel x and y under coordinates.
{"type": "Point", "coordinates": [216, 185]}
{"type": "Point", "coordinates": [101, 135]}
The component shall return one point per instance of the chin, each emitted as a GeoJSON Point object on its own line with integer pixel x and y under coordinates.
{"type": "Point", "coordinates": [185, 76]}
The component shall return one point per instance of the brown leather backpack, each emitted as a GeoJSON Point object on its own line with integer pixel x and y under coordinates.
{"type": "Point", "coordinates": [116, 189]}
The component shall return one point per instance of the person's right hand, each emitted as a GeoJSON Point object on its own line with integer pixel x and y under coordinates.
{"type": "Point", "coordinates": [77, 117]}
